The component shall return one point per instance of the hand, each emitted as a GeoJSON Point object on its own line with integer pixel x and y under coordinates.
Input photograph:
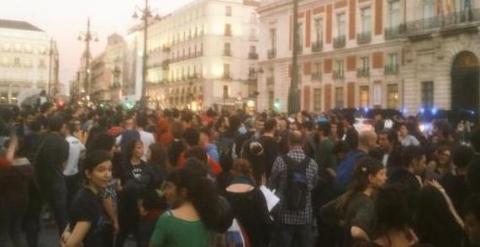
{"type": "Point", "coordinates": [64, 238]}
{"type": "Point", "coordinates": [331, 172]}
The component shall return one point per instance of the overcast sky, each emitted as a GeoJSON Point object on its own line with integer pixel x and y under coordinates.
{"type": "Point", "coordinates": [64, 19]}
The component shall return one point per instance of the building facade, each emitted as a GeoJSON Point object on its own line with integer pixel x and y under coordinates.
{"type": "Point", "coordinates": [28, 61]}
{"type": "Point", "coordinates": [398, 54]}
{"type": "Point", "coordinates": [203, 55]}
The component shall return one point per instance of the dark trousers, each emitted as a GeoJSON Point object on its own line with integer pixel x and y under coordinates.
{"type": "Point", "coordinates": [128, 219]}
{"type": "Point", "coordinates": [73, 185]}
{"type": "Point", "coordinates": [293, 235]}
{"type": "Point", "coordinates": [146, 230]}
{"type": "Point", "coordinates": [11, 233]}
{"type": "Point", "coordinates": [55, 195]}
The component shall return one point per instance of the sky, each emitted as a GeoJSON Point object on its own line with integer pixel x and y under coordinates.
{"type": "Point", "coordinates": [63, 20]}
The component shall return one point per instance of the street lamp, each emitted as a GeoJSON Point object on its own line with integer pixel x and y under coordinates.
{"type": "Point", "coordinates": [87, 37]}
{"type": "Point", "coordinates": [294, 92]}
{"type": "Point", "coordinates": [146, 13]}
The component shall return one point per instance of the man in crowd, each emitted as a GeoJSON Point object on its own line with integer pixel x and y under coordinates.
{"type": "Point", "coordinates": [294, 217]}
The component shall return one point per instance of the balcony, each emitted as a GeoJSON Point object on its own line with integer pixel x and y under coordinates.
{"type": "Point", "coordinates": [364, 38]}
{"type": "Point", "coordinates": [391, 69]}
{"type": "Point", "coordinates": [227, 53]}
{"type": "Point", "coordinates": [395, 32]}
{"type": "Point", "coordinates": [228, 33]}
{"type": "Point", "coordinates": [339, 42]}
{"type": "Point", "coordinates": [253, 55]}
{"type": "Point", "coordinates": [226, 76]}
{"type": "Point", "coordinates": [423, 27]}
{"type": "Point", "coordinates": [338, 75]}
{"type": "Point", "coordinates": [252, 75]}
{"type": "Point", "coordinates": [316, 76]}
{"type": "Point", "coordinates": [317, 46]}
{"type": "Point", "coordinates": [272, 53]}
{"type": "Point", "coordinates": [363, 72]}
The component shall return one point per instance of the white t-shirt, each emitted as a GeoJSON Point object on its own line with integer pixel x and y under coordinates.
{"type": "Point", "coordinates": [74, 151]}
{"type": "Point", "coordinates": [147, 139]}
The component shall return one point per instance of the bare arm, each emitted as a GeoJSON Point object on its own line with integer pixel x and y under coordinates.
{"type": "Point", "coordinates": [451, 208]}
{"type": "Point", "coordinates": [359, 233]}
{"type": "Point", "coordinates": [111, 212]}
{"type": "Point", "coordinates": [78, 234]}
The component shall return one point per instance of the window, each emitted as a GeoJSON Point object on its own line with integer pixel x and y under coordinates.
{"type": "Point", "coordinates": [253, 49]}
{"type": "Point", "coordinates": [394, 13]}
{"type": "Point", "coordinates": [271, 97]}
{"type": "Point", "coordinates": [317, 71]}
{"type": "Point", "coordinates": [392, 96]}
{"type": "Point", "coordinates": [228, 30]}
{"type": "Point", "coordinates": [366, 20]}
{"type": "Point", "coordinates": [4, 97]}
{"type": "Point", "coordinates": [339, 68]}
{"type": "Point", "coordinates": [226, 71]}
{"type": "Point", "coordinates": [427, 94]}
{"type": "Point", "coordinates": [228, 10]}
{"type": "Point", "coordinates": [339, 97]}
{"type": "Point", "coordinates": [273, 38]}
{"type": "Point", "coordinates": [318, 25]}
{"type": "Point", "coordinates": [13, 100]}
{"type": "Point", "coordinates": [341, 25]}
{"type": "Point", "coordinates": [365, 63]}
{"type": "Point", "coordinates": [428, 8]}
{"type": "Point", "coordinates": [225, 92]}
{"type": "Point", "coordinates": [317, 99]}
{"type": "Point", "coordinates": [227, 51]}
{"type": "Point", "coordinates": [364, 96]}
{"type": "Point", "coordinates": [16, 62]}
{"type": "Point", "coordinates": [392, 59]}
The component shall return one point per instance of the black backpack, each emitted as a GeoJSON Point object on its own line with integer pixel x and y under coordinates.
{"type": "Point", "coordinates": [296, 188]}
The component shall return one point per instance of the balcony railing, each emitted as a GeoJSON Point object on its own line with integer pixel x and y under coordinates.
{"type": "Point", "coordinates": [272, 53]}
{"type": "Point", "coordinates": [391, 69]}
{"type": "Point", "coordinates": [423, 25]}
{"type": "Point", "coordinates": [395, 32]}
{"type": "Point", "coordinates": [338, 75]}
{"type": "Point", "coordinates": [166, 49]}
{"type": "Point", "coordinates": [317, 76]}
{"type": "Point", "coordinates": [252, 55]}
{"type": "Point", "coordinates": [317, 46]}
{"type": "Point", "coordinates": [228, 33]}
{"type": "Point", "coordinates": [363, 72]}
{"type": "Point", "coordinates": [227, 53]}
{"type": "Point", "coordinates": [364, 38]}
{"type": "Point", "coordinates": [226, 76]}
{"type": "Point", "coordinates": [339, 42]}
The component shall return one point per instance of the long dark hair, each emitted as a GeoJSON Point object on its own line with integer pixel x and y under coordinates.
{"type": "Point", "coordinates": [158, 157]}
{"type": "Point", "coordinates": [130, 148]}
{"type": "Point", "coordinates": [391, 210]}
{"type": "Point", "coordinates": [366, 167]}
{"type": "Point", "coordinates": [201, 192]}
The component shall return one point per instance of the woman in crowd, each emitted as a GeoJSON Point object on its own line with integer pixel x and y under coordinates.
{"type": "Point", "coordinates": [437, 221]}
{"type": "Point", "coordinates": [129, 214]}
{"type": "Point", "coordinates": [249, 205]}
{"type": "Point", "coordinates": [86, 215]}
{"type": "Point", "coordinates": [356, 205]}
{"type": "Point", "coordinates": [194, 211]}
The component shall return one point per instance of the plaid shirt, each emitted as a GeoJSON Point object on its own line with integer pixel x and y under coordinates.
{"type": "Point", "coordinates": [278, 180]}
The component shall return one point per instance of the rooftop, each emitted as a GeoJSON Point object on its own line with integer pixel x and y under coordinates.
{"type": "Point", "coordinates": [22, 25]}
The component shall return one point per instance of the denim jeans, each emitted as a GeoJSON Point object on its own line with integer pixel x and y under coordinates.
{"type": "Point", "coordinates": [55, 195]}
{"type": "Point", "coordinates": [293, 235]}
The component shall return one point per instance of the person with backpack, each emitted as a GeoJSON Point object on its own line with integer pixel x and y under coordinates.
{"type": "Point", "coordinates": [294, 176]}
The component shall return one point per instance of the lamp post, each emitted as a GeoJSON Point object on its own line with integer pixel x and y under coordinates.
{"type": "Point", "coordinates": [87, 37]}
{"type": "Point", "coordinates": [293, 92]}
{"type": "Point", "coordinates": [146, 12]}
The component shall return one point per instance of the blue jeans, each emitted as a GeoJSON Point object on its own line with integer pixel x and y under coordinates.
{"type": "Point", "coordinates": [293, 235]}
{"type": "Point", "coordinates": [55, 194]}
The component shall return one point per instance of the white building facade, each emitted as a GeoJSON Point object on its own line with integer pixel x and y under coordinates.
{"type": "Point", "coordinates": [28, 60]}
{"type": "Point", "coordinates": [398, 54]}
{"type": "Point", "coordinates": [204, 55]}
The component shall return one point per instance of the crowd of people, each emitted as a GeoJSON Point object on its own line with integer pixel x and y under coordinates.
{"type": "Point", "coordinates": [174, 178]}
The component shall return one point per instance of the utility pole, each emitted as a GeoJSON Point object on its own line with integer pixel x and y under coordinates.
{"type": "Point", "coordinates": [50, 68]}
{"type": "Point", "coordinates": [293, 93]}
{"type": "Point", "coordinates": [87, 37]}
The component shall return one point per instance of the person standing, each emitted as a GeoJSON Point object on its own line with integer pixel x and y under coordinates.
{"type": "Point", "coordinates": [75, 151]}
{"type": "Point", "coordinates": [146, 137]}
{"type": "Point", "coordinates": [294, 215]}
{"type": "Point", "coordinates": [270, 144]}
{"type": "Point", "coordinates": [51, 156]}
